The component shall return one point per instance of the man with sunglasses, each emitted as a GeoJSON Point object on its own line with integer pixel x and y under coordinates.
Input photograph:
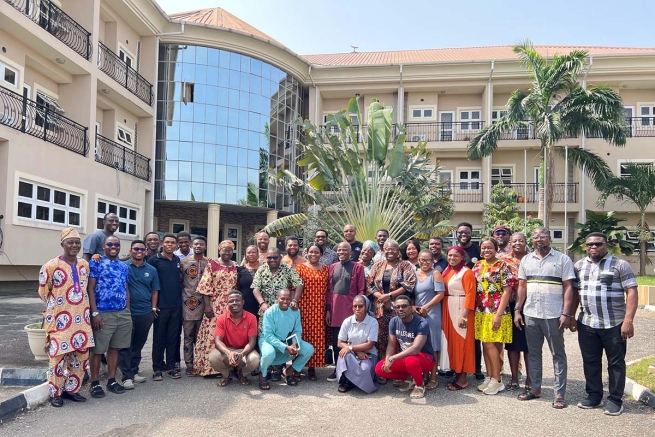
{"type": "Point", "coordinates": [109, 300]}
{"type": "Point", "coordinates": [608, 303]}
{"type": "Point", "coordinates": [502, 234]}
{"type": "Point", "coordinates": [144, 293]}
{"type": "Point", "coordinates": [545, 295]}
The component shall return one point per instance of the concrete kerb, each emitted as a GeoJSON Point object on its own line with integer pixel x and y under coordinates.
{"type": "Point", "coordinates": [638, 391]}
{"type": "Point", "coordinates": [27, 399]}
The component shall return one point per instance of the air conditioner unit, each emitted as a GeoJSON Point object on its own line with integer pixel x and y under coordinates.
{"type": "Point", "coordinates": [417, 138]}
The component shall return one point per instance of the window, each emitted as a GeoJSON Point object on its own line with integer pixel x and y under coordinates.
{"type": "Point", "coordinates": [502, 175]}
{"type": "Point", "coordinates": [127, 216]}
{"type": "Point", "coordinates": [326, 118]}
{"type": "Point", "coordinates": [177, 226]}
{"type": "Point", "coordinates": [470, 120]}
{"type": "Point", "coordinates": [126, 57]}
{"type": "Point", "coordinates": [497, 114]}
{"type": "Point", "coordinates": [188, 90]}
{"type": "Point", "coordinates": [125, 136]}
{"type": "Point", "coordinates": [46, 110]}
{"type": "Point", "coordinates": [623, 166]}
{"type": "Point", "coordinates": [47, 204]}
{"type": "Point", "coordinates": [422, 113]}
{"type": "Point", "coordinates": [8, 75]}
{"type": "Point", "coordinates": [647, 113]}
{"type": "Point", "coordinates": [469, 179]}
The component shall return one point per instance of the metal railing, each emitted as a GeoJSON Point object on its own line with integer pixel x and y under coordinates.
{"type": "Point", "coordinates": [40, 121]}
{"type": "Point", "coordinates": [117, 69]}
{"type": "Point", "coordinates": [112, 154]}
{"type": "Point", "coordinates": [464, 192]}
{"type": "Point", "coordinates": [56, 22]}
{"type": "Point", "coordinates": [443, 131]}
{"type": "Point", "coordinates": [562, 193]}
{"type": "Point", "coordinates": [641, 126]}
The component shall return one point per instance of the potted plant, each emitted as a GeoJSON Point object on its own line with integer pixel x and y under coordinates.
{"type": "Point", "coordinates": [36, 337]}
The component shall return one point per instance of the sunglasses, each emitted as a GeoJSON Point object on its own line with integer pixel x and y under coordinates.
{"type": "Point", "coordinates": [500, 233]}
{"type": "Point", "coordinates": [273, 258]}
{"type": "Point", "coordinates": [464, 232]}
{"type": "Point", "coordinates": [113, 244]}
{"type": "Point", "coordinates": [594, 244]}
{"type": "Point", "coordinates": [358, 306]}
{"type": "Point", "coordinates": [139, 249]}
{"type": "Point", "coordinates": [401, 307]}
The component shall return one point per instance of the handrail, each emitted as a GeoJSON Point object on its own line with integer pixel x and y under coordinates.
{"type": "Point", "coordinates": [112, 154]}
{"type": "Point", "coordinates": [117, 69]}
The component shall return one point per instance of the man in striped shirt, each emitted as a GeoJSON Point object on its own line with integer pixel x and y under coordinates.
{"type": "Point", "coordinates": [545, 295]}
{"type": "Point", "coordinates": [608, 300]}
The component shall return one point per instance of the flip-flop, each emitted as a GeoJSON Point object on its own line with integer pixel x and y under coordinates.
{"type": "Point", "coordinates": [264, 385]}
{"type": "Point", "coordinates": [512, 386]}
{"type": "Point", "coordinates": [344, 388]}
{"type": "Point", "coordinates": [559, 404]}
{"type": "Point", "coordinates": [175, 374]}
{"type": "Point", "coordinates": [290, 379]}
{"type": "Point", "coordinates": [453, 386]}
{"type": "Point", "coordinates": [224, 382]}
{"type": "Point", "coordinates": [527, 396]}
{"type": "Point", "coordinates": [311, 375]}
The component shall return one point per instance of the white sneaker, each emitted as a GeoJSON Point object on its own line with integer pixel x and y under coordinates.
{"type": "Point", "coordinates": [139, 379]}
{"type": "Point", "coordinates": [484, 384]}
{"type": "Point", "coordinates": [494, 387]}
{"type": "Point", "coordinates": [128, 384]}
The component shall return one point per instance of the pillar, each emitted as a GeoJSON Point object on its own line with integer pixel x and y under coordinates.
{"type": "Point", "coordinates": [213, 221]}
{"type": "Point", "coordinates": [271, 216]}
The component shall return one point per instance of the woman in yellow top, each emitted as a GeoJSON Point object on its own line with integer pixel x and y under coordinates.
{"type": "Point", "coordinates": [493, 321]}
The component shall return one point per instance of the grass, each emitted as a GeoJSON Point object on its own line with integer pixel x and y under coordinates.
{"type": "Point", "coordinates": [646, 280]}
{"type": "Point", "coordinates": [638, 372]}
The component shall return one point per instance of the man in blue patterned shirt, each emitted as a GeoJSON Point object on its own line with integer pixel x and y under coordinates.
{"type": "Point", "coordinates": [111, 320]}
{"type": "Point", "coordinates": [608, 300]}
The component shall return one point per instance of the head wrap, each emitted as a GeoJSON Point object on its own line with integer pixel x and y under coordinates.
{"type": "Point", "coordinates": [372, 244]}
{"type": "Point", "coordinates": [502, 227]}
{"type": "Point", "coordinates": [69, 233]}
{"type": "Point", "coordinates": [226, 243]}
{"type": "Point", "coordinates": [462, 264]}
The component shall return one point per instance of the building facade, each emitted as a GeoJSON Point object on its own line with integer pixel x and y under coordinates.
{"type": "Point", "coordinates": [170, 121]}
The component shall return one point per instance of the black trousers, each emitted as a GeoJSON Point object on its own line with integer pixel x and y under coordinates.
{"type": "Point", "coordinates": [130, 358]}
{"type": "Point", "coordinates": [478, 356]}
{"type": "Point", "coordinates": [593, 341]}
{"type": "Point", "coordinates": [165, 338]}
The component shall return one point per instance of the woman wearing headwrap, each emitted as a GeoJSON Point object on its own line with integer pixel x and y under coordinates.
{"type": "Point", "coordinates": [369, 249]}
{"type": "Point", "coordinates": [219, 278]}
{"type": "Point", "coordinates": [458, 317]}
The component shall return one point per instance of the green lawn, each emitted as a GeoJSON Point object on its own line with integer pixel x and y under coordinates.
{"type": "Point", "coordinates": [646, 280]}
{"type": "Point", "coordinates": [639, 373]}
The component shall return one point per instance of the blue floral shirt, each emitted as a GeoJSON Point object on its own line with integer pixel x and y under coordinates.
{"type": "Point", "coordinates": [111, 284]}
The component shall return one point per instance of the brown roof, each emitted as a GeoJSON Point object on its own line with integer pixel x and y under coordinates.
{"type": "Point", "coordinates": [220, 18]}
{"type": "Point", "coordinates": [451, 55]}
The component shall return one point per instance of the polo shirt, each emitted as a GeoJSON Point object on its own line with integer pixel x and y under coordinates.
{"type": "Point", "coordinates": [170, 292]}
{"type": "Point", "coordinates": [93, 243]}
{"type": "Point", "coordinates": [545, 292]}
{"type": "Point", "coordinates": [602, 287]}
{"type": "Point", "coordinates": [143, 281]}
{"type": "Point", "coordinates": [355, 333]}
{"type": "Point", "coordinates": [440, 265]}
{"type": "Point", "coordinates": [111, 284]}
{"type": "Point", "coordinates": [235, 335]}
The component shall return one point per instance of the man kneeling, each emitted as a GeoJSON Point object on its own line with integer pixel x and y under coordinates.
{"type": "Point", "coordinates": [235, 338]}
{"type": "Point", "coordinates": [282, 325]}
{"type": "Point", "coordinates": [412, 334]}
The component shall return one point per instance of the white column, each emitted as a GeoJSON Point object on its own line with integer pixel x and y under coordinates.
{"type": "Point", "coordinates": [213, 220]}
{"type": "Point", "coordinates": [271, 216]}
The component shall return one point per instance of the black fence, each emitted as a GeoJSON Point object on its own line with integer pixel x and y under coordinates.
{"type": "Point", "coordinates": [41, 121]}
{"type": "Point", "coordinates": [112, 154]}
{"type": "Point", "coordinates": [464, 192]}
{"type": "Point", "coordinates": [562, 193]}
{"type": "Point", "coordinates": [117, 69]}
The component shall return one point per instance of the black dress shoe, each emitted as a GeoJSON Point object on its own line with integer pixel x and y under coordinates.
{"type": "Point", "coordinates": [75, 397]}
{"type": "Point", "coordinates": [57, 401]}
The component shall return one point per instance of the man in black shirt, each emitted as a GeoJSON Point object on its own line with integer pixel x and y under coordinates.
{"type": "Point", "coordinates": [349, 232]}
{"type": "Point", "coordinates": [168, 323]}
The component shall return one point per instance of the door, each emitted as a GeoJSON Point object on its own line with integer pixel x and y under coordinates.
{"type": "Point", "coordinates": [446, 177]}
{"type": "Point", "coordinates": [629, 114]}
{"type": "Point", "coordinates": [446, 119]}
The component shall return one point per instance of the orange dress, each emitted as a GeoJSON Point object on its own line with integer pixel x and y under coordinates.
{"type": "Point", "coordinates": [460, 295]}
{"type": "Point", "coordinates": [312, 310]}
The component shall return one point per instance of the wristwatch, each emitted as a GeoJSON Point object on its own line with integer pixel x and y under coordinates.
{"type": "Point", "coordinates": [95, 313]}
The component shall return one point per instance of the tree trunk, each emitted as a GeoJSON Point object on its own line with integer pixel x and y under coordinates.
{"type": "Point", "coordinates": [642, 258]}
{"type": "Point", "coordinates": [550, 183]}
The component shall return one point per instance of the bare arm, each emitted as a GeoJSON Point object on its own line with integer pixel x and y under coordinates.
{"type": "Point", "coordinates": [631, 301]}
{"type": "Point", "coordinates": [414, 349]}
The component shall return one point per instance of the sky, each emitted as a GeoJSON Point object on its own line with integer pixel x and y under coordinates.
{"type": "Point", "coordinates": [333, 26]}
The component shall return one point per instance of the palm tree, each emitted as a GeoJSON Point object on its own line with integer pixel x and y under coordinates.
{"type": "Point", "coordinates": [638, 188]}
{"type": "Point", "coordinates": [556, 107]}
{"type": "Point", "coordinates": [608, 224]}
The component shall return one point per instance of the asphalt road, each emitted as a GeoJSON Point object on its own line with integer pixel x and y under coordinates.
{"type": "Point", "coordinates": [194, 406]}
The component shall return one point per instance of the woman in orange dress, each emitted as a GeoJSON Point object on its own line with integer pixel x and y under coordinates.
{"type": "Point", "coordinates": [458, 317]}
{"type": "Point", "coordinates": [314, 277]}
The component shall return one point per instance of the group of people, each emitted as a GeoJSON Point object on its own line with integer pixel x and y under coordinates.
{"type": "Point", "coordinates": [378, 311]}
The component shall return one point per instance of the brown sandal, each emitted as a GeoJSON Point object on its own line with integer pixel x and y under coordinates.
{"type": "Point", "coordinates": [224, 381]}
{"type": "Point", "coordinates": [311, 374]}
{"type": "Point", "coordinates": [432, 384]}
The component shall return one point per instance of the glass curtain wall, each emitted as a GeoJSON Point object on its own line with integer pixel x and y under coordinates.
{"type": "Point", "coordinates": [223, 120]}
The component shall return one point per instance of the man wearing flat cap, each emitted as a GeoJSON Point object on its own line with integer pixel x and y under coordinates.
{"type": "Point", "coordinates": [502, 234]}
{"type": "Point", "coordinates": [67, 319]}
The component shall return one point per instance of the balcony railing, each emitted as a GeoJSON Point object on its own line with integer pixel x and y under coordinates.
{"type": "Point", "coordinates": [40, 121]}
{"type": "Point", "coordinates": [112, 154]}
{"type": "Point", "coordinates": [56, 22]}
{"type": "Point", "coordinates": [443, 131]}
{"type": "Point", "coordinates": [562, 193]}
{"type": "Point", "coordinates": [464, 192]}
{"type": "Point", "coordinates": [641, 126]}
{"type": "Point", "coordinates": [117, 69]}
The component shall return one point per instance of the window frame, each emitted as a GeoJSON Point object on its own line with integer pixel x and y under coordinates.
{"type": "Point", "coordinates": [470, 121]}
{"type": "Point", "coordinates": [118, 204]}
{"type": "Point", "coordinates": [126, 55]}
{"type": "Point", "coordinates": [621, 162]}
{"type": "Point", "coordinates": [650, 118]}
{"type": "Point", "coordinates": [422, 117]}
{"type": "Point", "coordinates": [172, 222]}
{"type": "Point", "coordinates": [502, 167]}
{"type": "Point", "coordinates": [470, 181]}
{"type": "Point", "coordinates": [126, 131]}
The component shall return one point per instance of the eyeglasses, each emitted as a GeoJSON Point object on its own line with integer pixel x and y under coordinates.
{"type": "Point", "coordinates": [500, 233]}
{"type": "Point", "coordinates": [594, 244]}
{"type": "Point", "coordinates": [358, 306]}
{"type": "Point", "coordinates": [139, 249]}
{"type": "Point", "coordinates": [463, 232]}
{"type": "Point", "coordinates": [541, 237]}
{"type": "Point", "coordinates": [423, 260]}
{"type": "Point", "coordinates": [113, 244]}
{"type": "Point", "coordinates": [401, 307]}
{"type": "Point", "coordinates": [273, 258]}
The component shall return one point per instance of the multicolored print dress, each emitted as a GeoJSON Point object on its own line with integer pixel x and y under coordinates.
{"type": "Point", "coordinates": [312, 310]}
{"type": "Point", "coordinates": [217, 281]}
{"type": "Point", "coordinates": [491, 278]}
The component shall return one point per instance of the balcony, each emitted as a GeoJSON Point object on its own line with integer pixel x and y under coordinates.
{"type": "Point", "coordinates": [112, 154]}
{"type": "Point", "coordinates": [41, 121]}
{"type": "Point", "coordinates": [641, 127]}
{"type": "Point", "coordinates": [443, 131]}
{"type": "Point", "coordinates": [562, 193]}
{"type": "Point", "coordinates": [464, 192]}
{"type": "Point", "coordinates": [56, 22]}
{"type": "Point", "coordinates": [117, 69]}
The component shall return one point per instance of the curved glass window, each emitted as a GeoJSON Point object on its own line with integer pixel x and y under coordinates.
{"type": "Point", "coordinates": [224, 119]}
